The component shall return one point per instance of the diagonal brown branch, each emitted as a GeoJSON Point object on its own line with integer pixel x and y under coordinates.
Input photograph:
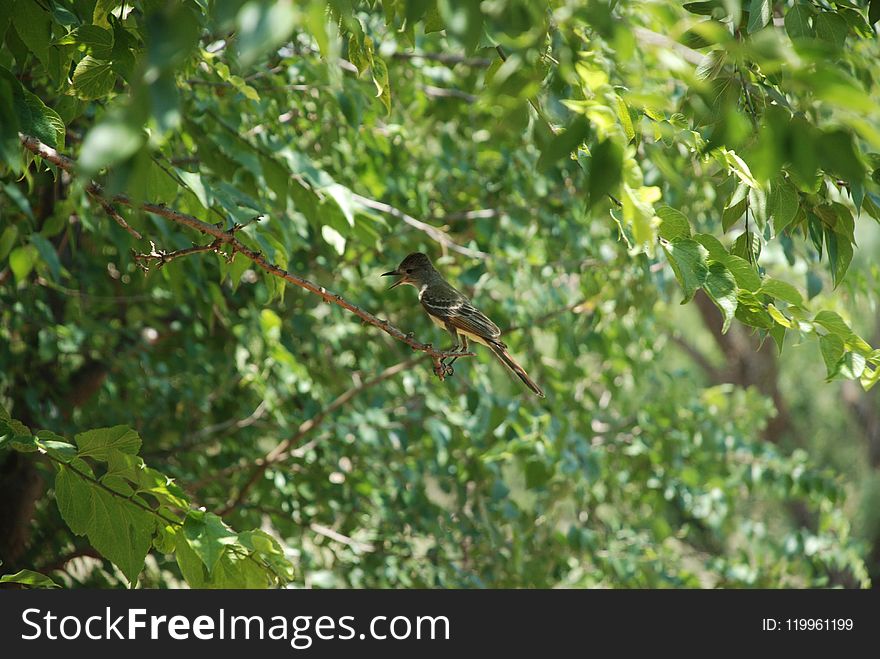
{"type": "Point", "coordinates": [282, 450]}
{"type": "Point", "coordinates": [285, 449]}
{"type": "Point", "coordinates": [228, 238]}
{"type": "Point", "coordinates": [111, 211]}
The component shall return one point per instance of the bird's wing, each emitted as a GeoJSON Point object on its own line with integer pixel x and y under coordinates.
{"type": "Point", "coordinates": [462, 315]}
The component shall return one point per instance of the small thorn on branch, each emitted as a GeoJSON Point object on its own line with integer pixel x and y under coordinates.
{"type": "Point", "coordinates": [160, 257]}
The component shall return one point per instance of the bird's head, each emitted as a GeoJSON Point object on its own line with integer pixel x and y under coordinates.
{"type": "Point", "coordinates": [415, 270]}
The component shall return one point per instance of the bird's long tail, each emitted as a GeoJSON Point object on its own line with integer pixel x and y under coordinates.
{"type": "Point", "coordinates": [504, 357]}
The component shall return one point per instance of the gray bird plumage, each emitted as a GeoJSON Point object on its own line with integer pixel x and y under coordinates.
{"type": "Point", "coordinates": [453, 311]}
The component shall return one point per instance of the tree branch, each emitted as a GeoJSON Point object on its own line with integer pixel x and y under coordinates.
{"type": "Point", "coordinates": [94, 193]}
{"type": "Point", "coordinates": [281, 451]}
{"type": "Point", "coordinates": [162, 258]}
{"type": "Point", "coordinates": [698, 358]}
{"type": "Point", "coordinates": [480, 214]}
{"type": "Point", "coordinates": [432, 231]}
{"type": "Point", "coordinates": [227, 237]}
{"type": "Point", "coordinates": [446, 58]}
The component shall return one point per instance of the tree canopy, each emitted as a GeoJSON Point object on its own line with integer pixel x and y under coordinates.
{"type": "Point", "coordinates": [669, 209]}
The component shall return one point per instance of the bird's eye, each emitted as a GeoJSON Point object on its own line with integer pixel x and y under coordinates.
{"type": "Point", "coordinates": [409, 271]}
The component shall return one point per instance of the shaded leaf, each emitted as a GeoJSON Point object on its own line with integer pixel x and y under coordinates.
{"type": "Point", "coordinates": [688, 261]}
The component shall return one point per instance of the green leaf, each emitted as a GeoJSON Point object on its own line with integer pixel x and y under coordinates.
{"type": "Point", "coordinates": [191, 566]}
{"type": "Point", "coordinates": [56, 446]}
{"type": "Point", "coordinates": [797, 21]}
{"type": "Point", "coordinates": [29, 578]}
{"type": "Point", "coordinates": [777, 333]}
{"type": "Point", "coordinates": [783, 206]}
{"type": "Point", "coordinates": [563, 144]}
{"type": "Point", "coordinates": [74, 498]}
{"type": "Point", "coordinates": [47, 253]}
{"type": "Point", "coordinates": [747, 246]}
{"type": "Point", "coordinates": [782, 291]}
{"type": "Point", "coordinates": [101, 11]}
{"type": "Point", "coordinates": [832, 322]}
{"type": "Point", "coordinates": [98, 41]}
{"type": "Point", "coordinates": [814, 284]}
{"type": "Point", "coordinates": [837, 155]}
{"type": "Point", "coordinates": [747, 278]}
{"type": "Point", "coordinates": [840, 254]}
{"type": "Point", "coordinates": [333, 238]}
{"type": "Point", "coordinates": [99, 443]}
{"type": "Point", "coordinates": [702, 8]}
{"type": "Point", "coordinates": [33, 116]}
{"type": "Point", "coordinates": [381, 80]}
{"type": "Point", "coordinates": [344, 200]}
{"type": "Point", "coordinates": [673, 225]}
{"type": "Point", "coordinates": [874, 12]}
{"type": "Point", "coordinates": [832, 349]}
{"type": "Point", "coordinates": [7, 240]}
{"type": "Point", "coordinates": [831, 27]}
{"type": "Point", "coordinates": [262, 27]}
{"type": "Point", "coordinates": [118, 528]}
{"type": "Point", "coordinates": [688, 261]}
{"type": "Point", "coordinates": [208, 537]}
{"type": "Point", "coordinates": [359, 55]}
{"type": "Point", "coordinates": [778, 316]}
{"type": "Point", "coordinates": [870, 378]}
{"type": "Point", "coordinates": [606, 162]}
{"type": "Point", "coordinates": [108, 143]}
{"type": "Point", "coordinates": [34, 27]}
{"type": "Point", "coordinates": [625, 119]}
{"type": "Point", "coordinates": [464, 21]}
{"type": "Point", "coordinates": [759, 14]}
{"type": "Point", "coordinates": [22, 261]}
{"type": "Point", "coordinates": [160, 486]}
{"type": "Point", "coordinates": [735, 209]}
{"type": "Point", "coordinates": [720, 285]}
{"type": "Point", "coordinates": [713, 246]}
{"type": "Point", "coordinates": [93, 78]}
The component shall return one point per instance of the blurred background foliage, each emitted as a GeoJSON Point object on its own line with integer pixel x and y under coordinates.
{"type": "Point", "coordinates": [578, 168]}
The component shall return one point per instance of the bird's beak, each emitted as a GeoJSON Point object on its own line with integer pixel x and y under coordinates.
{"type": "Point", "coordinates": [394, 273]}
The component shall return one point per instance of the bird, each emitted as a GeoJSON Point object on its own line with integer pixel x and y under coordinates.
{"type": "Point", "coordinates": [453, 311]}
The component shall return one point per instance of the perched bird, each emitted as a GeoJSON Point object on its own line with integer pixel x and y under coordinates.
{"type": "Point", "coordinates": [454, 312]}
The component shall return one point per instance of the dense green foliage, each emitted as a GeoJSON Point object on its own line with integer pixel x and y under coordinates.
{"type": "Point", "coordinates": [578, 168]}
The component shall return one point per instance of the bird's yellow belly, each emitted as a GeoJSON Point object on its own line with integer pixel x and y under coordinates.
{"type": "Point", "coordinates": [471, 337]}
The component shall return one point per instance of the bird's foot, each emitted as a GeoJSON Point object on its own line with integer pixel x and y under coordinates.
{"type": "Point", "coordinates": [442, 370]}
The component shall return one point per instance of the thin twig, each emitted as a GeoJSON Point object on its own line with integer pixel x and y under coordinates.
{"type": "Point", "coordinates": [689, 55]}
{"type": "Point", "coordinates": [162, 258]}
{"type": "Point", "coordinates": [280, 452]}
{"type": "Point", "coordinates": [61, 563]}
{"type": "Point", "coordinates": [343, 539]}
{"type": "Point", "coordinates": [432, 231]}
{"type": "Point", "coordinates": [712, 373]}
{"type": "Point", "coordinates": [290, 447]}
{"type": "Point", "coordinates": [238, 424]}
{"type": "Point", "coordinates": [72, 292]}
{"type": "Point", "coordinates": [228, 237]}
{"type": "Point", "coordinates": [111, 211]}
{"type": "Point", "coordinates": [446, 58]}
{"type": "Point", "coordinates": [446, 92]}
{"type": "Point", "coordinates": [481, 214]}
